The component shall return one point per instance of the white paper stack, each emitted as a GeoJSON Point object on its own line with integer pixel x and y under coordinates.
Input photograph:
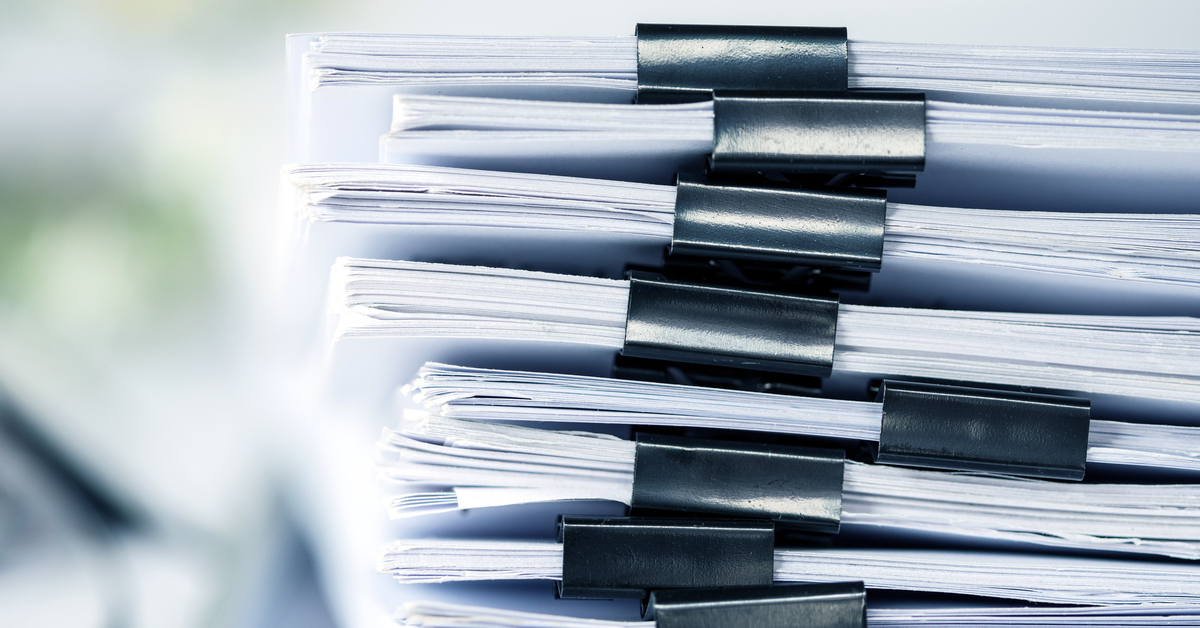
{"type": "Point", "coordinates": [1127, 76]}
{"type": "Point", "coordinates": [1134, 247]}
{"type": "Point", "coordinates": [481, 465]}
{"type": "Point", "coordinates": [649, 143]}
{"type": "Point", "coordinates": [1130, 356]}
{"type": "Point", "coordinates": [440, 615]}
{"type": "Point", "coordinates": [1112, 135]}
{"type": "Point", "coordinates": [1069, 156]}
{"type": "Point", "coordinates": [344, 82]}
{"type": "Point", "coordinates": [1030, 577]}
{"type": "Point", "coordinates": [967, 258]}
{"type": "Point", "coordinates": [495, 395]}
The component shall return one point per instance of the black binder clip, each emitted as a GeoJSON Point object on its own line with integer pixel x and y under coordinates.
{"type": "Point", "coordinates": [977, 429]}
{"type": "Point", "coordinates": [723, 326]}
{"type": "Point", "coordinates": [726, 378]}
{"type": "Point", "coordinates": [825, 605]}
{"type": "Point", "coordinates": [797, 487]}
{"type": "Point", "coordinates": [829, 133]}
{"type": "Point", "coordinates": [826, 227]}
{"type": "Point", "coordinates": [627, 557]}
{"type": "Point", "coordinates": [685, 62]}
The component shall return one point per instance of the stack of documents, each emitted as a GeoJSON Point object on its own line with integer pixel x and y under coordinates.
{"type": "Point", "coordinates": [1139, 263]}
{"type": "Point", "coordinates": [1129, 77]}
{"type": "Point", "coordinates": [1029, 577]}
{"type": "Point", "coordinates": [1092, 149]}
{"type": "Point", "coordinates": [470, 222]}
{"type": "Point", "coordinates": [489, 465]}
{"type": "Point", "coordinates": [1132, 356]}
{"type": "Point", "coordinates": [495, 395]}
{"type": "Point", "coordinates": [1001, 117]}
{"type": "Point", "coordinates": [441, 615]}
{"type": "Point", "coordinates": [343, 83]}
{"type": "Point", "coordinates": [1141, 247]}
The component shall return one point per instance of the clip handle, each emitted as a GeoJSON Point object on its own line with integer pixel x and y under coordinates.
{"type": "Point", "coordinates": [976, 429]}
{"type": "Point", "coordinates": [853, 132]}
{"type": "Point", "coordinates": [626, 557]}
{"type": "Point", "coordinates": [685, 62]}
{"type": "Point", "coordinates": [797, 487]}
{"type": "Point", "coordinates": [819, 227]}
{"type": "Point", "coordinates": [722, 326]}
{"type": "Point", "coordinates": [825, 605]}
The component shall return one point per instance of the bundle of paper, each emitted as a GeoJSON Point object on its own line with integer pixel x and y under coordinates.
{"type": "Point", "coordinates": [343, 83]}
{"type": "Point", "coordinates": [488, 465]}
{"type": "Point", "coordinates": [654, 142]}
{"type": "Point", "coordinates": [961, 258]}
{"type": "Point", "coordinates": [1015, 576]}
{"type": "Point", "coordinates": [442, 615]}
{"type": "Point", "coordinates": [610, 63]}
{"type": "Point", "coordinates": [993, 323]}
{"type": "Point", "coordinates": [495, 395]}
{"type": "Point", "coordinates": [1149, 357]}
{"type": "Point", "coordinates": [1130, 247]}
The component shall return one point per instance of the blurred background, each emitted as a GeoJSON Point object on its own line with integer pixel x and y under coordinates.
{"type": "Point", "coordinates": [141, 477]}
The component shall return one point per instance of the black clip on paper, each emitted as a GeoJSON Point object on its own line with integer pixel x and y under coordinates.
{"type": "Point", "coordinates": [686, 62]}
{"type": "Point", "coordinates": [825, 605]}
{"type": "Point", "coordinates": [856, 132]}
{"type": "Point", "coordinates": [627, 557]}
{"type": "Point", "coordinates": [722, 326]}
{"type": "Point", "coordinates": [976, 429]}
{"type": "Point", "coordinates": [820, 227]}
{"type": "Point", "coordinates": [797, 487]}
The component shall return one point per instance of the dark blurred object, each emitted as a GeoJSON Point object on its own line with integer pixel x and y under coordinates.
{"type": "Point", "coordinates": [59, 535]}
{"type": "Point", "coordinates": [98, 506]}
